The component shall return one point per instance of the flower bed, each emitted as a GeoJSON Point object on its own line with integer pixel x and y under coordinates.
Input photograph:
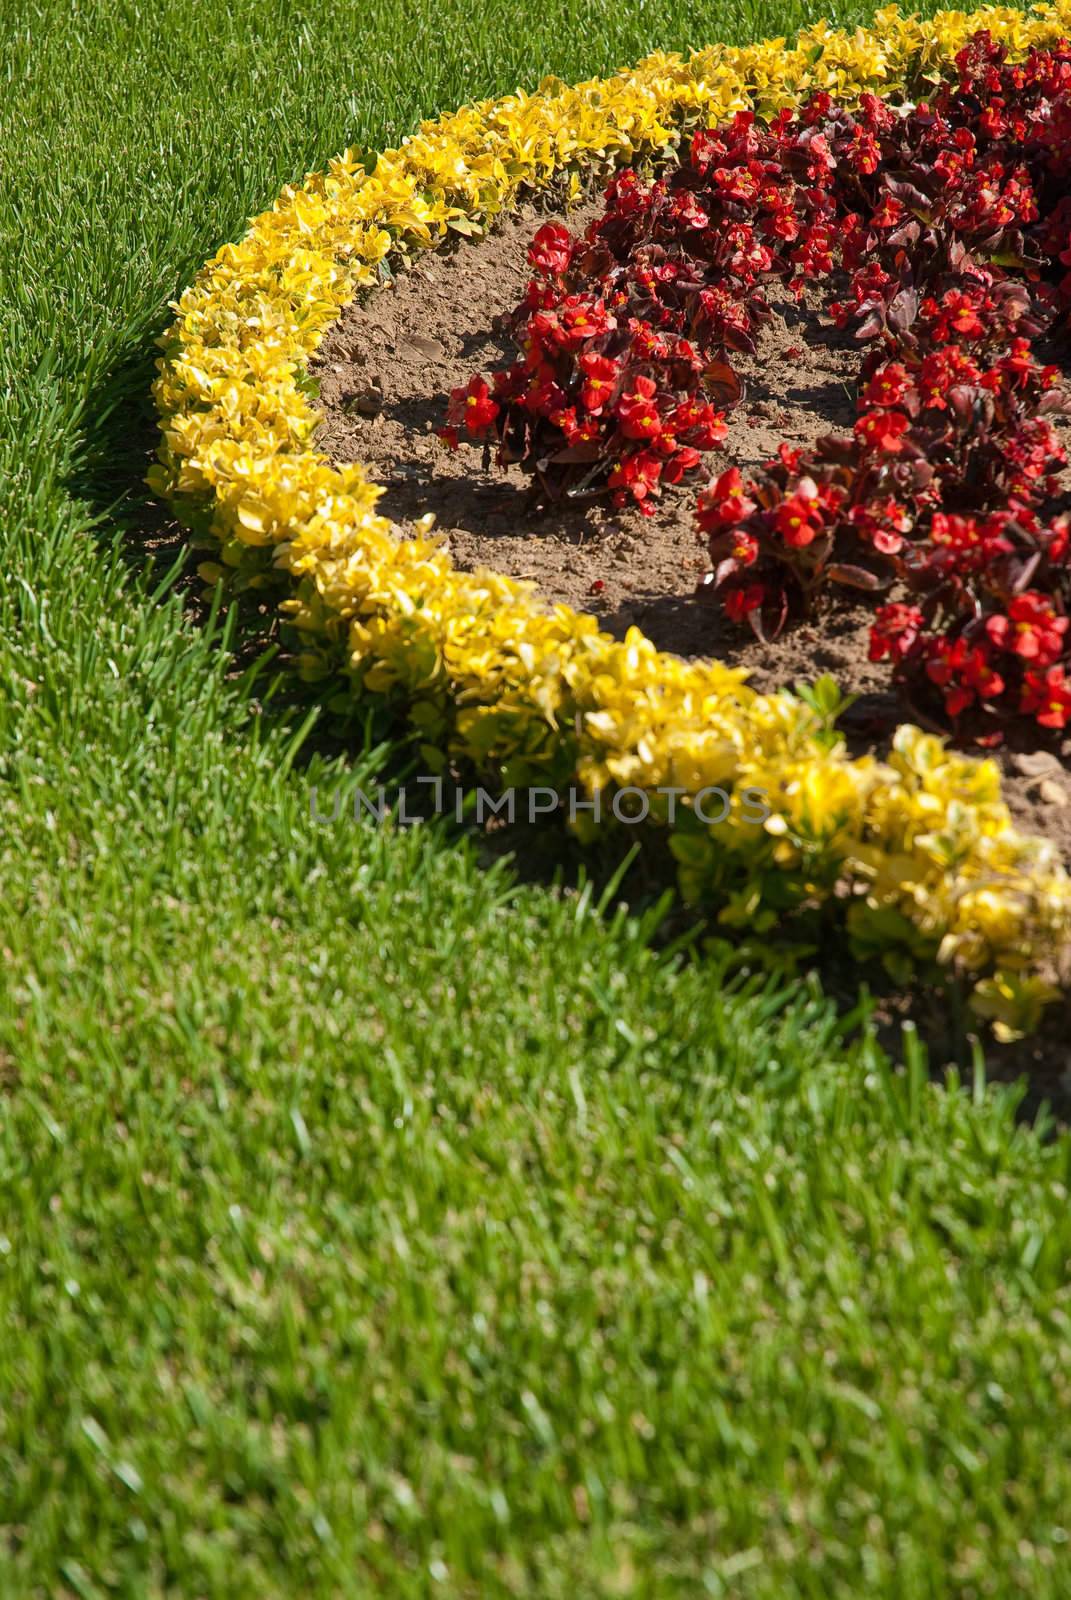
{"type": "Point", "coordinates": [915, 858]}
{"type": "Point", "coordinates": [936, 215]}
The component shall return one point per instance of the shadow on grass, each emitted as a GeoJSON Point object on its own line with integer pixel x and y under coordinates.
{"type": "Point", "coordinates": [121, 437]}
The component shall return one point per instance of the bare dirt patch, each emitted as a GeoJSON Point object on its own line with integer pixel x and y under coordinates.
{"type": "Point", "coordinates": [386, 369]}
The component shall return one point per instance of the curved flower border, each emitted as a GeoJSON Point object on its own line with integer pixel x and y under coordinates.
{"type": "Point", "coordinates": [918, 851]}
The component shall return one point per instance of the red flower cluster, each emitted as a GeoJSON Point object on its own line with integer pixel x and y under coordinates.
{"type": "Point", "coordinates": [990, 629]}
{"type": "Point", "coordinates": [602, 397]}
{"type": "Point", "coordinates": [623, 377]}
{"type": "Point", "coordinates": [943, 485]}
{"type": "Point", "coordinates": [934, 430]}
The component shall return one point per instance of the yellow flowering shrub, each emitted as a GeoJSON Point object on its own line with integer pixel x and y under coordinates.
{"type": "Point", "coordinates": [918, 851]}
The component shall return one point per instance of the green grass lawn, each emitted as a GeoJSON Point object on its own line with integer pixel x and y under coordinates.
{"type": "Point", "coordinates": [372, 1222]}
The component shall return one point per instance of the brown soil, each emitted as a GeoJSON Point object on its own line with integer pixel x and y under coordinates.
{"type": "Point", "coordinates": [386, 369]}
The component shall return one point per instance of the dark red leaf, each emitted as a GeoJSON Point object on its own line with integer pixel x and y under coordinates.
{"type": "Point", "coordinates": [856, 577]}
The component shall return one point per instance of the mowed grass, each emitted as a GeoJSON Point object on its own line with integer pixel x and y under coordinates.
{"type": "Point", "coordinates": [371, 1222]}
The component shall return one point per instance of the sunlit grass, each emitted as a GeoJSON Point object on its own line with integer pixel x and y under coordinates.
{"type": "Point", "coordinates": [370, 1222]}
